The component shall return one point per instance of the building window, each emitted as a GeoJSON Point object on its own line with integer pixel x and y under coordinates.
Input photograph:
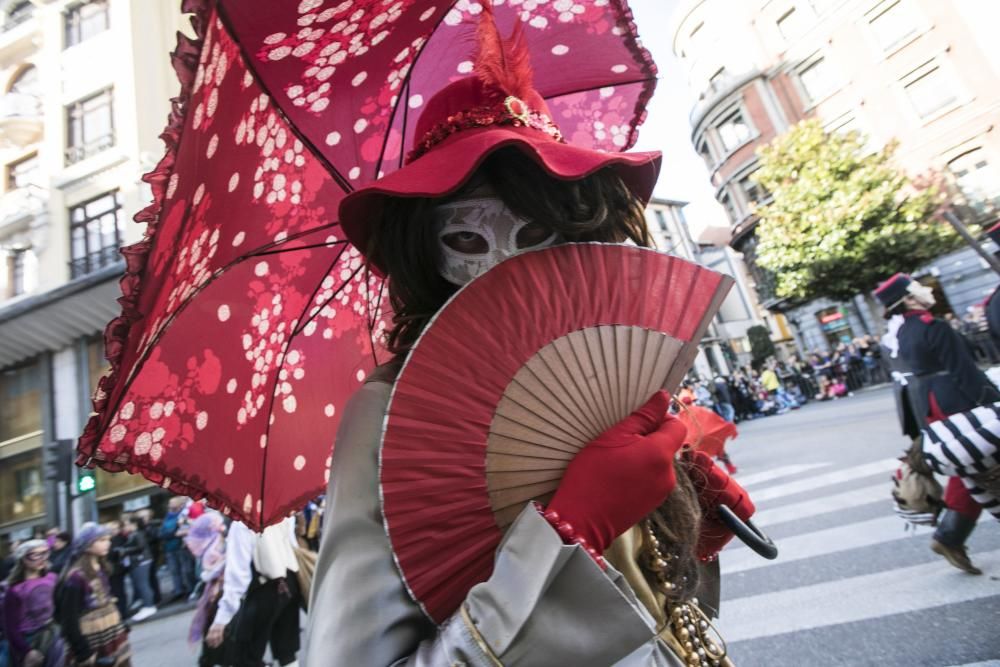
{"type": "Point", "coordinates": [85, 20]}
{"type": "Point", "coordinates": [892, 23]}
{"type": "Point", "coordinates": [20, 402]}
{"type": "Point", "coordinates": [727, 203]}
{"type": "Point", "coordinates": [733, 131]}
{"type": "Point", "coordinates": [705, 152]}
{"type": "Point", "coordinates": [817, 80]}
{"type": "Point", "coordinates": [930, 89]}
{"type": "Point", "coordinates": [842, 124]}
{"type": "Point", "coordinates": [18, 13]}
{"type": "Point", "coordinates": [978, 180]}
{"type": "Point", "coordinates": [16, 260]}
{"type": "Point", "coordinates": [21, 491]}
{"type": "Point", "coordinates": [90, 126]}
{"type": "Point", "coordinates": [754, 192]}
{"type": "Point", "coordinates": [791, 24]}
{"type": "Point", "coordinates": [23, 172]}
{"type": "Point", "coordinates": [95, 234]}
{"type": "Point", "coordinates": [661, 220]}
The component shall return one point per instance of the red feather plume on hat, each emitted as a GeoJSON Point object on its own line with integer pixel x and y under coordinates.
{"type": "Point", "coordinates": [504, 64]}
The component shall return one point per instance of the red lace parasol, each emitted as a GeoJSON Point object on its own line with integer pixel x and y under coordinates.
{"type": "Point", "coordinates": [247, 319]}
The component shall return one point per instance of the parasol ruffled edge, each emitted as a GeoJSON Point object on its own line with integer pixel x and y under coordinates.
{"type": "Point", "coordinates": [184, 59]}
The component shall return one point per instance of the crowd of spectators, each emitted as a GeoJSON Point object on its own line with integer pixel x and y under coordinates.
{"type": "Point", "coordinates": [69, 598]}
{"type": "Point", "coordinates": [778, 386]}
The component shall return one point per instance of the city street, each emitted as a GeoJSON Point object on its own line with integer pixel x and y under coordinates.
{"type": "Point", "coordinates": [851, 587]}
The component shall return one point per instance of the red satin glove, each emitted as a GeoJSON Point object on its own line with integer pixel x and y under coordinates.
{"type": "Point", "coordinates": [715, 487]}
{"type": "Point", "coordinates": [622, 476]}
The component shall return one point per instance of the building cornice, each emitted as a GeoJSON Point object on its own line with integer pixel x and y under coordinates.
{"type": "Point", "coordinates": [678, 18]}
{"type": "Point", "coordinates": [660, 201]}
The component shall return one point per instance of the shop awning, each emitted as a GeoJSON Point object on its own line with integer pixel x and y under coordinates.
{"type": "Point", "coordinates": [53, 320]}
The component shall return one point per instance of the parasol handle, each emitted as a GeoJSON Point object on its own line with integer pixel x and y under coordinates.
{"type": "Point", "coordinates": [748, 533]}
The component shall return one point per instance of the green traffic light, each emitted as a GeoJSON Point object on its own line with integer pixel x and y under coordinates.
{"type": "Point", "coordinates": [86, 482]}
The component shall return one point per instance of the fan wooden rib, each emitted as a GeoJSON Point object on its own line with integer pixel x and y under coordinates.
{"type": "Point", "coordinates": [531, 466]}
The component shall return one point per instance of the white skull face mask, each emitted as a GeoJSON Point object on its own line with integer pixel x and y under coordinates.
{"type": "Point", "coordinates": [478, 232]}
{"type": "Point", "coordinates": [922, 293]}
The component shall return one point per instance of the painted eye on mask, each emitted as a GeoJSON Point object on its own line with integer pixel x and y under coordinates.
{"type": "Point", "coordinates": [532, 234]}
{"type": "Point", "coordinates": [469, 243]}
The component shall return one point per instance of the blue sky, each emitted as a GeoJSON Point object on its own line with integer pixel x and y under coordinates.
{"type": "Point", "coordinates": [684, 175]}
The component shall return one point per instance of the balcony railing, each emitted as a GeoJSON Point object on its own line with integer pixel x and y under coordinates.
{"type": "Point", "coordinates": [25, 202]}
{"type": "Point", "coordinates": [81, 152]}
{"type": "Point", "coordinates": [20, 15]}
{"type": "Point", "coordinates": [81, 266]}
{"type": "Point", "coordinates": [20, 118]}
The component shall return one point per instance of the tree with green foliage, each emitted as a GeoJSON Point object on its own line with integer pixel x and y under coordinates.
{"type": "Point", "coordinates": [761, 346]}
{"type": "Point", "coordinates": [842, 218]}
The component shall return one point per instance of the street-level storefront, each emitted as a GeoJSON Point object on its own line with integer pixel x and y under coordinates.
{"type": "Point", "coordinates": [22, 492]}
{"type": "Point", "coordinates": [835, 325]}
{"type": "Point", "coordinates": [51, 356]}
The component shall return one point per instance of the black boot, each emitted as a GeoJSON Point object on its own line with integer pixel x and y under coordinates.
{"type": "Point", "coordinates": [949, 540]}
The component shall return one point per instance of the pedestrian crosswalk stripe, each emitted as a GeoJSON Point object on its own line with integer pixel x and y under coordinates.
{"type": "Point", "coordinates": [821, 542]}
{"type": "Point", "coordinates": [825, 504]}
{"type": "Point", "coordinates": [746, 481]}
{"type": "Point", "coordinates": [817, 481]}
{"type": "Point", "coordinates": [988, 663]}
{"type": "Point", "coordinates": [911, 589]}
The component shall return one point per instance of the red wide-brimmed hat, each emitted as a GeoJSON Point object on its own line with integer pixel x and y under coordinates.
{"type": "Point", "coordinates": [472, 118]}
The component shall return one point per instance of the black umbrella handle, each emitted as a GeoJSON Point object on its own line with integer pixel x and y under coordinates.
{"type": "Point", "coordinates": [748, 533]}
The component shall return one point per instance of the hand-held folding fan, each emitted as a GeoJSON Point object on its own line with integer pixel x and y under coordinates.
{"type": "Point", "coordinates": [518, 371]}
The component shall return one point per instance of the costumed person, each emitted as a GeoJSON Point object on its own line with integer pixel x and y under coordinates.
{"type": "Point", "coordinates": [28, 609]}
{"type": "Point", "coordinates": [260, 599]}
{"type": "Point", "coordinates": [991, 305]}
{"type": "Point", "coordinates": [707, 431]}
{"type": "Point", "coordinates": [936, 376]}
{"type": "Point", "coordinates": [85, 606]}
{"type": "Point", "coordinates": [207, 543]}
{"type": "Point", "coordinates": [491, 178]}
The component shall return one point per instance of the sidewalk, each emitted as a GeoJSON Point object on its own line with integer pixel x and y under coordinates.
{"type": "Point", "coordinates": [164, 610]}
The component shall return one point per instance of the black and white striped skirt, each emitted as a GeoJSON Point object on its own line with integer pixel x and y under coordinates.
{"type": "Point", "coordinates": [967, 444]}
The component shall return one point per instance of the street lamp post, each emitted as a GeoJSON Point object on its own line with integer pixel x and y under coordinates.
{"type": "Point", "coordinates": [963, 231]}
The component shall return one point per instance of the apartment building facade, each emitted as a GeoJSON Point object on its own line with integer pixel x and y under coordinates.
{"type": "Point", "coordinates": [921, 72]}
{"type": "Point", "coordinates": [86, 89]}
{"type": "Point", "coordinates": [725, 346]}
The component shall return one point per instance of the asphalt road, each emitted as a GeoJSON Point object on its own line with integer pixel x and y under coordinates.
{"type": "Point", "coordinates": [850, 587]}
